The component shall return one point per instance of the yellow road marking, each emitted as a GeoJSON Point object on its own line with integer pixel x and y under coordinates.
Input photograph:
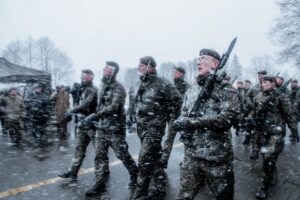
{"type": "Point", "coordinates": [15, 191]}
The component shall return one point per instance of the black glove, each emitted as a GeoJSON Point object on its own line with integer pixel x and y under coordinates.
{"type": "Point", "coordinates": [182, 123]}
{"type": "Point", "coordinates": [89, 119]}
{"type": "Point", "coordinates": [68, 115]}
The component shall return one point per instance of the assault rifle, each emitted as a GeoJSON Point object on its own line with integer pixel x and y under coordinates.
{"type": "Point", "coordinates": [205, 93]}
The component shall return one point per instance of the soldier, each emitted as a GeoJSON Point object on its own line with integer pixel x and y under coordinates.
{"type": "Point", "coordinates": [37, 106]}
{"type": "Point", "coordinates": [14, 110]}
{"type": "Point", "coordinates": [272, 110]}
{"type": "Point", "coordinates": [240, 93]}
{"type": "Point", "coordinates": [295, 98]}
{"type": "Point", "coordinates": [209, 155]}
{"type": "Point", "coordinates": [87, 105]}
{"type": "Point", "coordinates": [181, 86]}
{"type": "Point", "coordinates": [111, 132]}
{"type": "Point", "coordinates": [61, 99]}
{"type": "Point", "coordinates": [246, 108]}
{"type": "Point", "coordinates": [257, 89]}
{"type": "Point", "coordinates": [158, 102]}
{"type": "Point", "coordinates": [226, 82]}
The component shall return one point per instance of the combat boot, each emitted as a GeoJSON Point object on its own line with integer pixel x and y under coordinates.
{"type": "Point", "coordinates": [68, 174]}
{"type": "Point", "coordinates": [262, 194]}
{"type": "Point", "coordinates": [254, 155]}
{"type": "Point", "coordinates": [97, 189]}
{"type": "Point", "coordinates": [274, 179]}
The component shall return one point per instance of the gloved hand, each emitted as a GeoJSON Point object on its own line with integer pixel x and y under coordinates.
{"type": "Point", "coordinates": [90, 118]}
{"type": "Point", "coordinates": [181, 123]}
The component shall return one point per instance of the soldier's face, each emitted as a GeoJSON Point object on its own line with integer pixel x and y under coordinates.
{"type": "Point", "coordinates": [294, 84]}
{"type": "Point", "coordinates": [247, 85]}
{"type": "Point", "coordinates": [267, 85]}
{"type": "Point", "coordinates": [177, 74]}
{"type": "Point", "coordinates": [279, 81]}
{"type": "Point", "coordinates": [86, 77]}
{"type": "Point", "coordinates": [13, 93]}
{"type": "Point", "coordinates": [108, 71]}
{"type": "Point", "coordinates": [144, 69]}
{"type": "Point", "coordinates": [239, 85]}
{"type": "Point", "coordinates": [206, 64]}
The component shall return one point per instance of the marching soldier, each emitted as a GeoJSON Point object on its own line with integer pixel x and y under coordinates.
{"type": "Point", "coordinates": [110, 118]}
{"type": "Point", "coordinates": [210, 149]}
{"type": "Point", "coordinates": [271, 112]}
{"type": "Point", "coordinates": [158, 102]}
{"type": "Point", "coordinates": [87, 105]}
{"type": "Point", "coordinates": [181, 86]}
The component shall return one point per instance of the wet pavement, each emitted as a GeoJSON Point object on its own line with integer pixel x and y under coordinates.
{"type": "Point", "coordinates": [30, 172]}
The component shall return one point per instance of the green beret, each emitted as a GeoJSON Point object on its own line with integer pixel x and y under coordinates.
{"type": "Point", "coordinates": [210, 52]}
{"type": "Point", "coordinates": [262, 72]}
{"type": "Point", "coordinates": [148, 60]}
{"type": "Point", "coordinates": [294, 81]}
{"type": "Point", "coordinates": [180, 69]}
{"type": "Point", "coordinates": [88, 71]}
{"type": "Point", "coordinates": [280, 77]}
{"type": "Point", "coordinates": [268, 78]}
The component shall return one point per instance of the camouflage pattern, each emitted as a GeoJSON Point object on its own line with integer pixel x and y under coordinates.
{"type": "Point", "coordinates": [14, 111]}
{"type": "Point", "coordinates": [158, 102]}
{"type": "Point", "coordinates": [86, 133]}
{"type": "Point", "coordinates": [210, 156]}
{"type": "Point", "coordinates": [271, 115]}
{"type": "Point", "coordinates": [181, 86]}
{"type": "Point", "coordinates": [111, 130]}
{"type": "Point", "coordinates": [295, 100]}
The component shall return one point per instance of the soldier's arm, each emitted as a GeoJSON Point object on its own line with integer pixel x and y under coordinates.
{"type": "Point", "coordinates": [86, 103]}
{"type": "Point", "coordinates": [288, 114]}
{"type": "Point", "coordinates": [118, 100]}
{"type": "Point", "coordinates": [229, 109]}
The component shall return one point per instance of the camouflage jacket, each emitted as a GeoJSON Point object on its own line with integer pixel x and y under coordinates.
{"type": "Point", "coordinates": [293, 95]}
{"type": "Point", "coordinates": [211, 137]}
{"type": "Point", "coordinates": [110, 109]}
{"type": "Point", "coordinates": [88, 100]}
{"type": "Point", "coordinates": [38, 107]}
{"type": "Point", "coordinates": [181, 85]}
{"type": "Point", "coordinates": [158, 102]}
{"type": "Point", "coordinates": [14, 108]}
{"type": "Point", "coordinates": [272, 110]}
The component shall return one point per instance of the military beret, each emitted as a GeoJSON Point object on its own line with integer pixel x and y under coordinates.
{"type": "Point", "coordinates": [294, 81]}
{"type": "Point", "coordinates": [262, 72]}
{"type": "Point", "coordinates": [148, 60]}
{"type": "Point", "coordinates": [180, 69]}
{"type": "Point", "coordinates": [88, 71]}
{"type": "Point", "coordinates": [247, 81]}
{"type": "Point", "coordinates": [210, 52]}
{"type": "Point", "coordinates": [240, 82]}
{"type": "Point", "coordinates": [12, 88]}
{"type": "Point", "coordinates": [113, 64]}
{"type": "Point", "coordinates": [280, 77]}
{"type": "Point", "coordinates": [268, 78]}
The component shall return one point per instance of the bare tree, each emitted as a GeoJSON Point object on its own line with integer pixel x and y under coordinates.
{"type": "Point", "coordinates": [46, 51]}
{"type": "Point", "coordinates": [286, 31]}
{"type": "Point", "coordinates": [14, 52]}
{"type": "Point", "coordinates": [29, 48]}
{"type": "Point", "coordinates": [235, 69]}
{"type": "Point", "coordinates": [61, 65]}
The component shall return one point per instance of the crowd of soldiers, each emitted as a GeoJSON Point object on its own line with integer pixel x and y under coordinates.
{"type": "Point", "coordinates": [30, 113]}
{"type": "Point", "coordinates": [157, 106]}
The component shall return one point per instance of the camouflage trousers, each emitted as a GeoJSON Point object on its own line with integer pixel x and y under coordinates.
{"type": "Point", "coordinates": [13, 128]}
{"type": "Point", "coordinates": [168, 145]}
{"type": "Point", "coordinates": [106, 139]}
{"type": "Point", "coordinates": [85, 136]}
{"type": "Point", "coordinates": [194, 172]}
{"type": "Point", "coordinates": [150, 166]}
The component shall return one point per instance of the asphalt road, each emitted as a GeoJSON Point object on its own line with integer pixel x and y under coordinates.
{"type": "Point", "coordinates": [30, 172]}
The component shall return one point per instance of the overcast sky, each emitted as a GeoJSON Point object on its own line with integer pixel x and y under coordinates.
{"type": "Point", "coordinates": [93, 31]}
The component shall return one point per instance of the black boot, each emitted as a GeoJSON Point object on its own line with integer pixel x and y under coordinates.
{"type": "Point", "coordinates": [254, 155]}
{"type": "Point", "coordinates": [262, 194]}
{"type": "Point", "coordinates": [68, 175]}
{"type": "Point", "coordinates": [246, 140]}
{"type": "Point", "coordinates": [274, 179]}
{"type": "Point", "coordinates": [97, 189]}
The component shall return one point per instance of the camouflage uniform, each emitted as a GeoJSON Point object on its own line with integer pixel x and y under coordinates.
{"type": "Point", "coordinates": [209, 156]}
{"type": "Point", "coordinates": [271, 112]}
{"type": "Point", "coordinates": [14, 113]}
{"type": "Point", "coordinates": [181, 86]}
{"type": "Point", "coordinates": [111, 130]}
{"type": "Point", "coordinates": [86, 133]}
{"type": "Point", "coordinates": [158, 101]}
